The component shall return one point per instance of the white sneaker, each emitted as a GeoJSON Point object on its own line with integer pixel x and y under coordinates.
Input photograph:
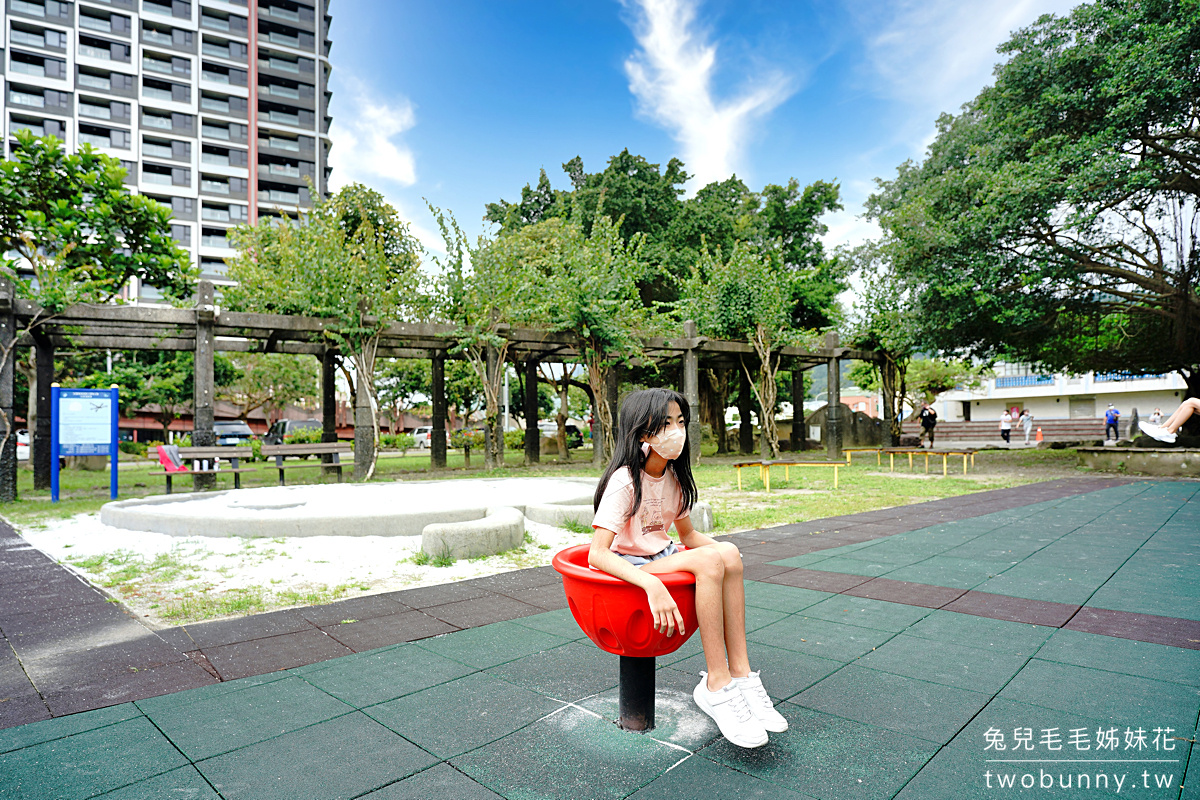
{"type": "Point", "coordinates": [1156, 432]}
{"type": "Point", "coordinates": [760, 703]}
{"type": "Point", "coordinates": [729, 710]}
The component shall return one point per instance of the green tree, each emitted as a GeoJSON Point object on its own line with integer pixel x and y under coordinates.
{"type": "Point", "coordinates": [349, 259]}
{"type": "Point", "coordinates": [272, 382]}
{"type": "Point", "coordinates": [1054, 221]}
{"type": "Point", "coordinates": [397, 382]}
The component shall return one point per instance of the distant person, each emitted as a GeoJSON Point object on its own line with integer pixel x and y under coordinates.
{"type": "Point", "coordinates": [1155, 418]}
{"type": "Point", "coordinates": [928, 422]}
{"type": "Point", "coordinates": [1027, 424]}
{"type": "Point", "coordinates": [1006, 421]}
{"type": "Point", "coordinates": [1166, 433]}
{"type": "Point", "coordinates": [1111, 418]}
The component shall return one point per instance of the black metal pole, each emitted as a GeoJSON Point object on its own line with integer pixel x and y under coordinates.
{"type": "Point", "coordinates": [637, 693]}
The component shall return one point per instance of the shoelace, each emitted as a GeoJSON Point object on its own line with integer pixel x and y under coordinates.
{"type": "Point", "coordinates": [736, 701]}
{"type": "Point", "coordinates": [758, 693]}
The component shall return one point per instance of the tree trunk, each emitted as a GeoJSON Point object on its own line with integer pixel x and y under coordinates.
{"type": "Point", "coordinates": [745, 401]}
{"type": "Point", "coordinates": [602, 445]}
{"type": "Point", "coordinates": [40, 425]}
{"type": "Point", "coordinates": [366, 424]}
{"type": "Point", "coordinates": [766, 392]}
{"type": "Point", "coordinates": [533, 436]}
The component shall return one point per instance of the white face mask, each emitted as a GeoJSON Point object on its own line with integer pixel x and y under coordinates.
{"type": "Point", "coordinates": [668, 445]}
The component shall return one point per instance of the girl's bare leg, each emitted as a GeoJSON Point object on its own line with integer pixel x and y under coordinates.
{"type": "Point", "coordinates": [1182, 414]}
{"type": "Point", "coordinates": [709, 568]}
{"type": "Point", "coordinates": [734, 596]}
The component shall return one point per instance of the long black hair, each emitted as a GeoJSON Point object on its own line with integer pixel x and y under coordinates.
{"type": "Point", "coordinates": [645, 413]}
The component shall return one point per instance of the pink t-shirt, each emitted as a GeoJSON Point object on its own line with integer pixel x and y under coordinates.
{"type": "Point", "coordinates": [644, 533]}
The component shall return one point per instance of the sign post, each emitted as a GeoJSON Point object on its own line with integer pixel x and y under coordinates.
{"type": "Point", "coordinates": [83, 423]}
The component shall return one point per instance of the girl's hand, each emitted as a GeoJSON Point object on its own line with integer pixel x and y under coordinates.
{"type": "Point", "coordinates": [664, 610]}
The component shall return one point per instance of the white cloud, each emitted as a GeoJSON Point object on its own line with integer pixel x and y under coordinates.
{"type": "Point", "coordinates": [671, 76]}
{"type": "Point", "coordinates": [364, 130]}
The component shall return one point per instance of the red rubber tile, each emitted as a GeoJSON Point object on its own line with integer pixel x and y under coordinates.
{"type": "Point", "coordinates": [820, 581]}
{"type": "Point", "coordinates": [1139, 627]}
{"type": "Point", "coordinates": [1013, 609]}
{"type": "Point", "coordinates": [912, 594]}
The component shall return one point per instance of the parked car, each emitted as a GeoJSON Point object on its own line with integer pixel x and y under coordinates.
{"type": "Point", "coordinates": [280, 430]}
{"type": "Point", "coordinates": [421, 437]}
{"type": "Point", "coordinates": [550, 430]}
{"type": "Point", "coordinates": [232, 432]}
{"type": "Point", "coordinates": [22, 445]}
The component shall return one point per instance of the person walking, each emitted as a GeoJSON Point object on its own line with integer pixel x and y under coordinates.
{"type": "Point", "coordinates": [928, 422]}
{"type": "Point", "coordinates": [1006, 426]}
{"type": "Point", "coordinates": [1111, 418]}
{"type": "Point", "coordinates": [1166, 432]}
{"type": "Point", "coordinates": [1027, 424]}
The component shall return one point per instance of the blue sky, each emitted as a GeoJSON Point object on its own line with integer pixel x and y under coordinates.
{"type": "Point", "coordinates": [463, 102]}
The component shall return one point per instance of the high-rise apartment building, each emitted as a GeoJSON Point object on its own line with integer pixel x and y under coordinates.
{"type": "Point", "coordinates": [218, 108]}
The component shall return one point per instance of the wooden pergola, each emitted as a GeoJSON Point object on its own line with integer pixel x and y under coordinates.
{"type": "Point", "coordinates": [206, 329]}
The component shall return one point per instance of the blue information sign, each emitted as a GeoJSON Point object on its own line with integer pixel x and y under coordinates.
{"type": "Point", "coordinates": [83, 422]}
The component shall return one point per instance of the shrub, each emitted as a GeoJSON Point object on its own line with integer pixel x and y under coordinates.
{"type": "Point", "coordinates": [399, 441]}
{"type": "Point", "coordinates": [467, 439]}
{"type": "Point", "coordinates": [183, 441]}
{"type": "Point", "coordinates": [514, 440]}
{"type": "Point", "coordinates": [304, 436]}
{"type": "Point", "coordinates": [133, 448]}
{"type": "Point", "coordinates": [256, 449]}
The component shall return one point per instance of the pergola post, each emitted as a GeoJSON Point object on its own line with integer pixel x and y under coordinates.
{"type": "Point", "coordinates": [533, 436]}
{"type": "Point", "coordinates": [43, 354]}
{"type": "Point", "coordinates": [799, 440]}
{"type": "Point", "coordinates": [745, 406]}
{"type": "Point", "coordinates": [203, 393]}
{"type": "Point", "coordinates": [889, 397]}
{"type": "Point", "coordinates": [328, 400]}
{"type": "Point", "coordinates": [691, 390]}
{"type": "Point", "coordinates": [437, 437]}
{"type": "Point", "coordinates": [8, 428]}
{"type": "Point", "coordinates": [833, 412]}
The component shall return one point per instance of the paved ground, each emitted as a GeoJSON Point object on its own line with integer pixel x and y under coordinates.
{"type": "Point", "coordinates": [923, 652]}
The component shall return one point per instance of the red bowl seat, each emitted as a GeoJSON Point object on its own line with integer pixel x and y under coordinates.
{"type": "Point", "coordinates": [615, 614]}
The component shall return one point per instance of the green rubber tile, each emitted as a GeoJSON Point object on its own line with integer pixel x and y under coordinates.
{"type": "Point", "coordinates": [1124, 700]}
{"type": "Point", "coordinates": [183, 783]}
{"type": "Point", "coordinates": [854, 566]}
{"type": "Point", "coordinates": [867, 613]}
{"type": "Point", "coordinates": [492, 644]}
{"type": "Point", "coordinates": [1155, 661]}
{"type": "Point", "coordinates": [570, 754]}
{"type": "Point", "coordinates": [481, 709]}
{"type": "Point", "coordinates": [956, 573]}
{"type": "Point", "coordinates": [440, 780]}
{"type": "Point", "coordinates": [677, 718]}
{"type": "Point", "coordinates": [914, 707]}
{"type": "Point", "coordinates": [38, 732]}
{"type": "Point", "coordinates": [699, 777]}
{"type": "Point", "coordinates": [806, 560]}
{"type": "Point", "coordinates": [945, 662]}
{"type": "Point", "coordinates": [995, 635]}
{"type": "Point", "coordinates": [558, 623]}
{"type": "Point", "coordinates": [760, 618]}
{"type": "Point", "coordinates": [568, 673]}
{"type": "Point", "coordinates": [88, 763]}
{"type": "Point", "coordinates": [822, 638]}
{"type": "Point", "coordinates": [776, 597]}
{"type": "Point", "coordinates": [341, 758]}
{"type": "Point", "coordinates": [689, 648]}
{"type": "Point", "coordinates": [236, 719]}
{"type": "Point", "coordinates": [828, 757]}
{"type": "Point", "coordinates": [377, 676]}
{"type": "Point", "coordinates": [1191, 785]}
{"type": "Point", "coordinates": [206, 694]}
{"type": "Point", "coordinates": [783, 672]}
{"type": "Point", "coordinates": [1144, 600]}
{"type": "Point", "coordinates": [1072, 588]}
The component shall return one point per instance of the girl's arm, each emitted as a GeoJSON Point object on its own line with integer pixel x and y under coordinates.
{"type": "Point", "coordinates": [662, 606]}
{"type": "Point", "coordinates": [689, 536]}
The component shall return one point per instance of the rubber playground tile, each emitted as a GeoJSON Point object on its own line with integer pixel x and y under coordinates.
{"type": "Point", "coordinates": [344, 757]}
{"type": "Point", "coordinates": [482, 611]}
{"type": "Point", "coordinates": [1141, 627]}
{"type": "Point", "coordinates": [568, 673]}
{"type": "Point", "coordinates": [1142, 599]}
{"type": "Point", "coordinates": [913, 707]}
{"type": "Point", "coordinates": [912, 594]}
{"type": "Point", "coordinates": [51, 729]}
{"type": "Point", "coordinates": [677, 718]}
{"type": "Point", "coordinates": [242, 629]}
{"type": "Point", "coordinates": [440, 780]}
{"type": "Point", "coordinates": [57, 591]}
{"type": "Point", "coordinates": [946, 663]}
{"type": "Point", "coordinates": [1071, 588]}
{"type": "Point", "coordinates": [451, 718]}
{"type": "Point", "coordinates": [428, 596]}
{"type": "Point", "coordinates": [558, 623]}
{"type": "Point", "coordinates": [547, 598]}
{"type": "Point", "coordinates": [492, 644]}
{"type": "Point", "coordinates": [1146, 660]}
{"type": "Point", "coordinates": [691, 647]}
{"type": "Point", "coordinates": [518, 580]}
{"type": "Point", "coordinates": [376, 632]}
{"type": "Point", "coordinates": [816, 580]}
{"type": "Point", "coordinates": [99, 686]}
{"type": "Point", "coordinates": [54, 628]}
{"type": "Point", "coordinates": [867, 613]}
{"type": "Point", "coordinates": [700, 777]}
{"type": "Point", "coordinates": [377, 676]}
{"type": "Point", "coordinates": [761, 617]}
{"type": "Point", "coordinates": [1013, 609]}
{"type": "Point", "coordinates": [569, 754]}
{"type": "Point", "coordinates": [808, 559]}
{"type": "Point", "coordinates": [762, 572]}
{"type": "Point", "coordinates": [776, 597]}
{"type": "Point", "coordinates": [237, 719]}
{"type": "Point", "coordinates": [88, 763]}
{"type": "Point", "coordinates": [955, 573]}
{"type": "Point", "coordinates": [1124, 700]}
{"type": "Point", "coordinates": [184, 782]}
{"type": "Point", "coordinates": [21, 706]}
{"type": "Point", "coordinates": [829, 757]}
{"type": "Point", "coordinates": [357, 608]}
{"type": "Point", "coordinates": [981, 632]}
{"type": "Point", "coordinates": [854, 566]}
{"type": "Point", "coordinates": [254, 657]}
{"type": "Point", "coordinates": [822, 638]}
{"type": "Point", "coordinates": [784, 673]}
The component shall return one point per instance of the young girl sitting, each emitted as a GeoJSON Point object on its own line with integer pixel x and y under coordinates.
{"type": "Point", "coordinates": [647, 487]}
{"type": "Point", "coordinates": [1167, 431]}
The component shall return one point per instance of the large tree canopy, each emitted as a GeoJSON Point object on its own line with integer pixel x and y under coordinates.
{"type": "Point", "coordinates": [1055, 219]}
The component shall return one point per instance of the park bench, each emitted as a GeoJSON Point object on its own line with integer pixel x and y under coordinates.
{"type": "Point", "coordinates": [201, 457]}
{"type": "Point", "coordinates": [878, 451]}
{"type": "Point", "coordinates": [764, 469]}
{"type": "Point", "coordinates": [334, 449]}
{"type": "Point", "coordinates": [911, 451]}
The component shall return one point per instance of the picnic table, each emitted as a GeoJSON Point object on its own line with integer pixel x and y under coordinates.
{"type": "Point", "coordinates": [201, 457]}
{"type": "Point", "coordinates": [334, 449]}
{"type": "Point", "coordinates": [764, 469]}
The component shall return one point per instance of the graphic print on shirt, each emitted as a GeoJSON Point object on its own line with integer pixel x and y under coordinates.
{"type": "Point", "coordinates": [650, 515]}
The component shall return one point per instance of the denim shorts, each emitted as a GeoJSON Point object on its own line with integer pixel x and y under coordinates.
{"type": "Point", "coordinates": [638, 561]}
